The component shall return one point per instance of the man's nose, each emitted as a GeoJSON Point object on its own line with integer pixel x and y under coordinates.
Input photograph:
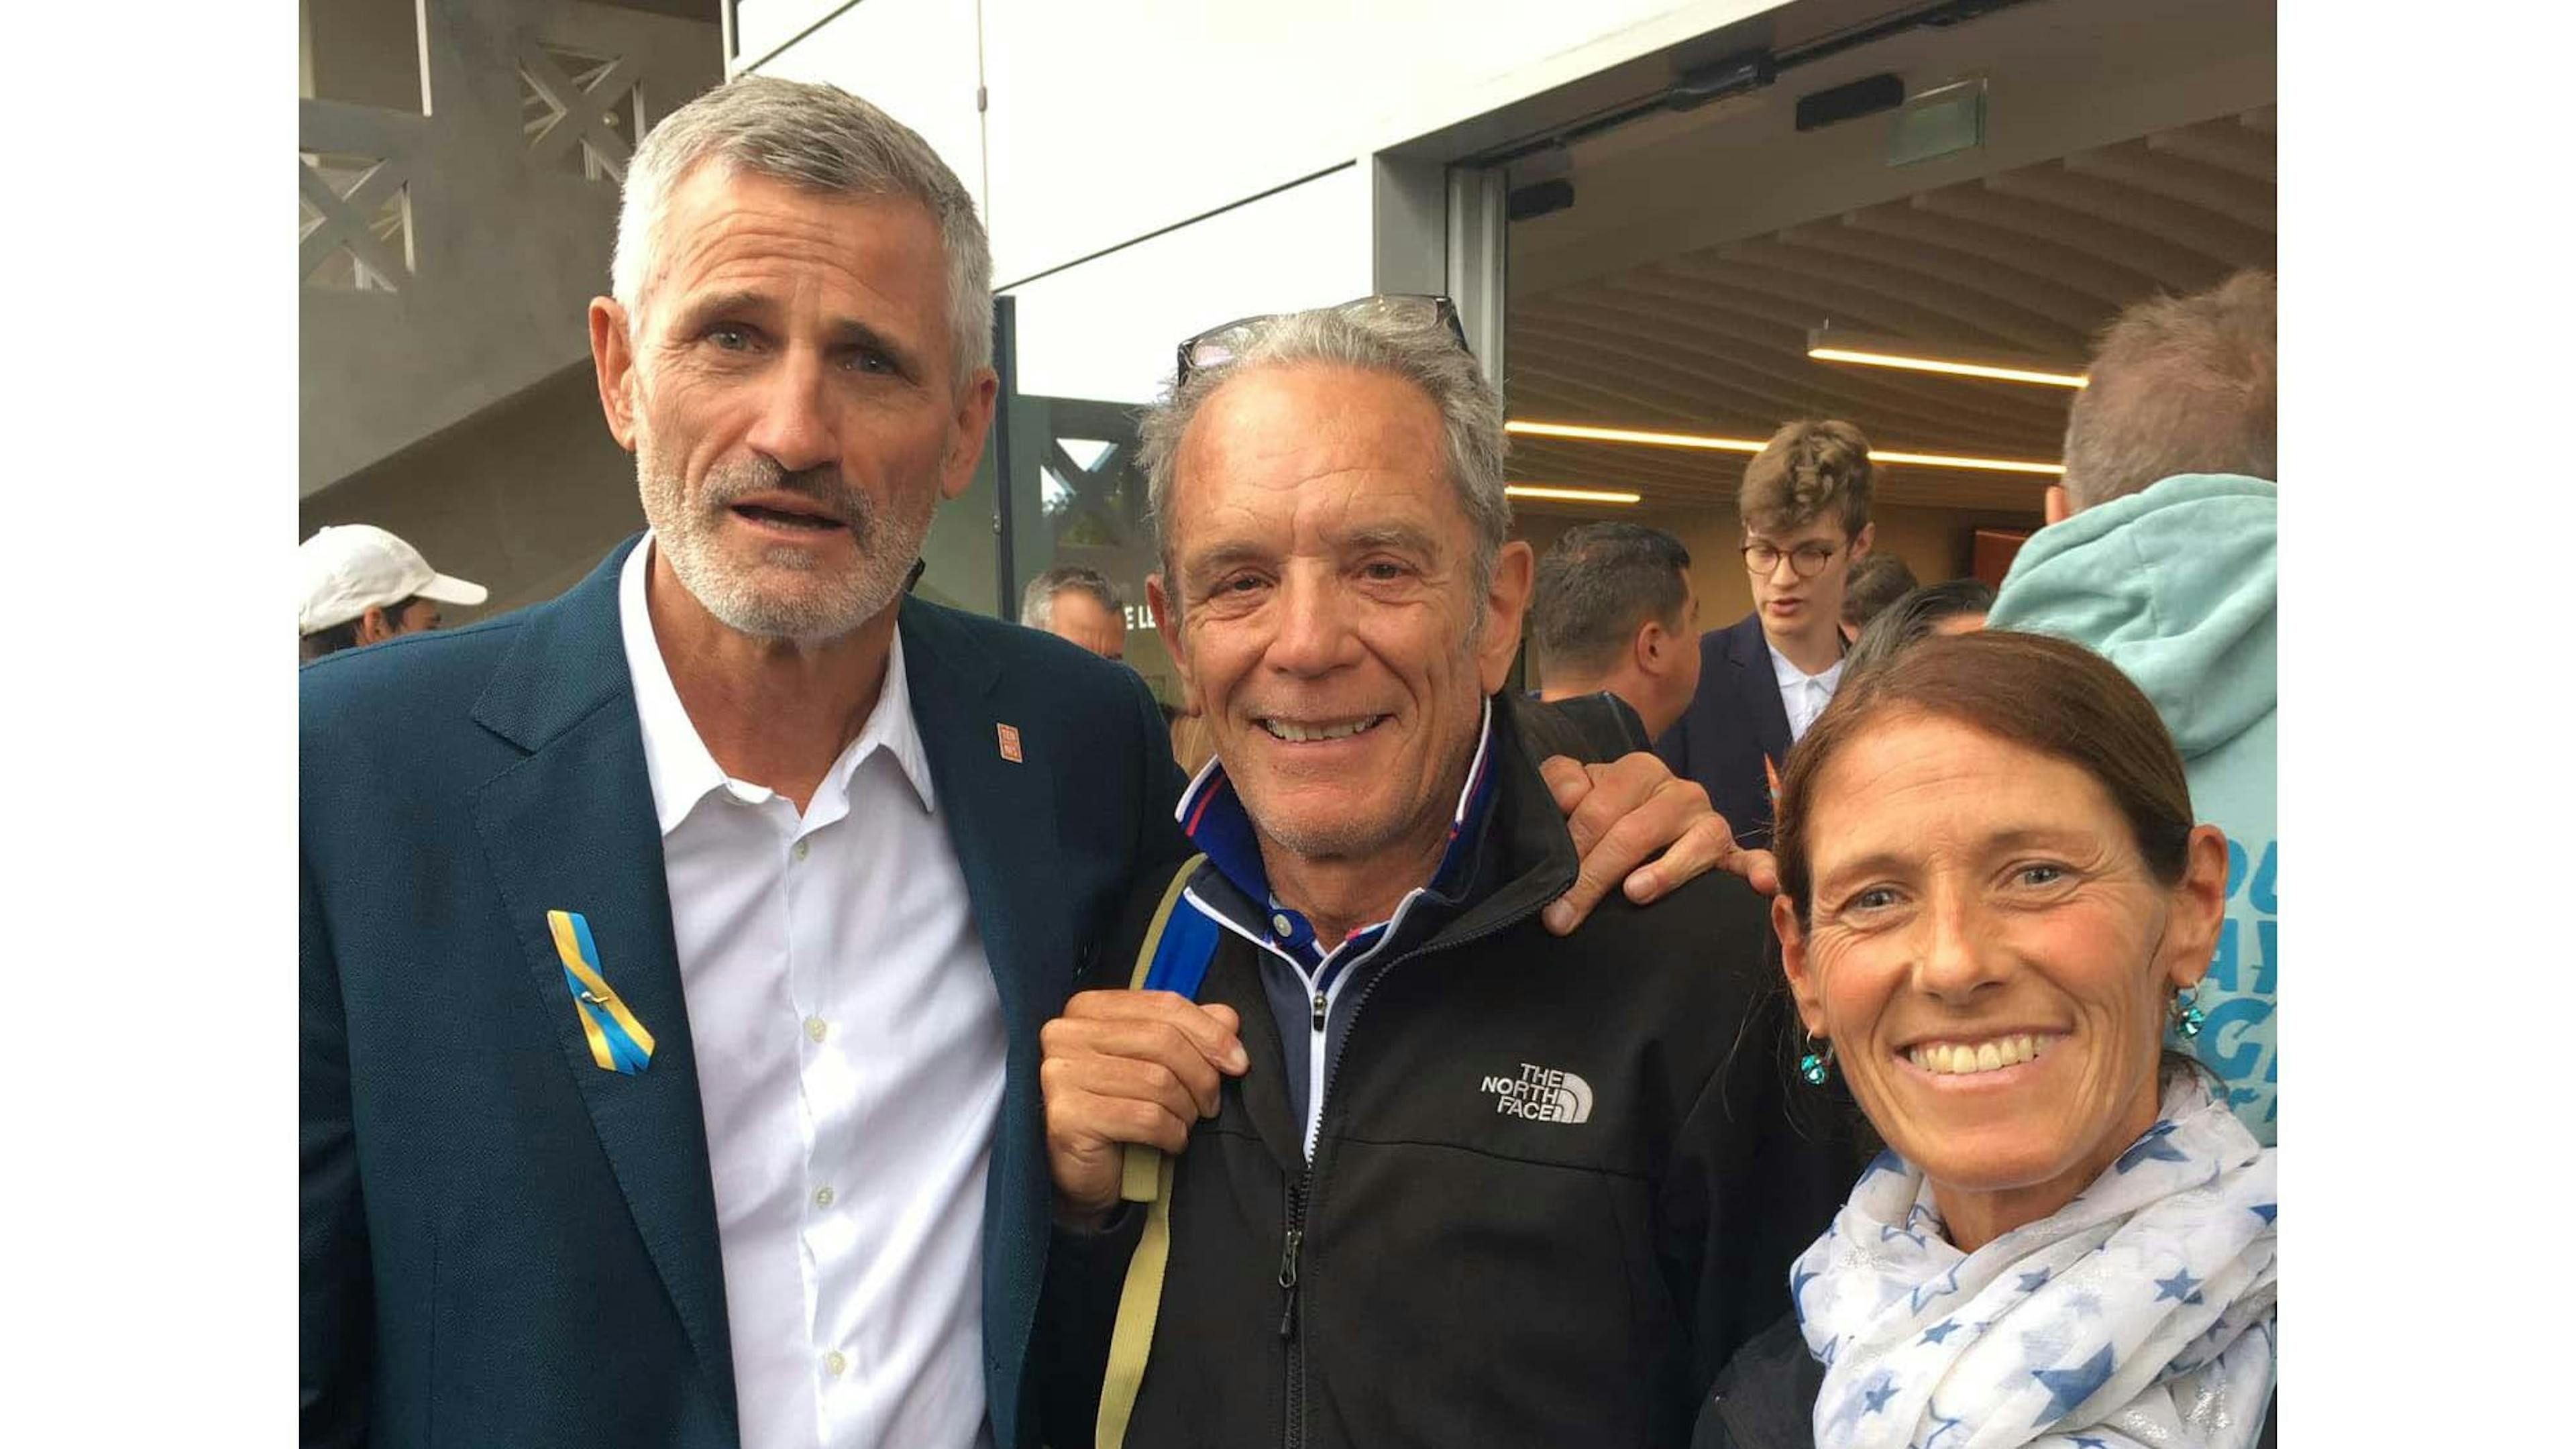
{"type": "Point", "coordinates": [1313, 633]}
{"type": "Point", "coordinates": [1783, 571]}
{"type": "Point", "coordinates": [795, 428]}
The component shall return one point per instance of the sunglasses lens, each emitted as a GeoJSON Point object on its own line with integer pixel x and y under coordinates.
{"type": "Point", "coordinates": [1401, 311]}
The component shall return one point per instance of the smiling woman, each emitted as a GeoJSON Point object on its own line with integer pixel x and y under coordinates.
{"type": "Point", "coordinates": [1994, 902]}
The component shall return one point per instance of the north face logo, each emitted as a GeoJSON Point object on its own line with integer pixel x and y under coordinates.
{"type": "Point", "coordinates": [1542, 1094]}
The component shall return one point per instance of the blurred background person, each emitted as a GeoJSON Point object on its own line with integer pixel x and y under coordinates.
{"type": "Point", "coordinates": [1805, 506]}
{"type": "Point", "coordinates": [1876, 582]}
{"type": "Point", "coordinates": [2162, 555]}
{"type": "Point", "coordinates": [1994, 909]}
{"type": "Point", "coordinates": [1955, 606]}
{"type": "Point", "coordinates": [363, 585]}
{"type": "Point", "coordinates": [1080, 604]}
{"type": "Point", "coordinates": [1614, 614]}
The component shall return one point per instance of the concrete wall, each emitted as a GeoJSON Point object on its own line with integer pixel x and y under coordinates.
{"type": "Point", "coordinates": [509, 233]}
{"type": "Point", "coordinates": [524, 499]}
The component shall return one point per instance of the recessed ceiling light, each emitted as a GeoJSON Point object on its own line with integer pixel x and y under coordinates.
{"type": "Point", "coordinates": [1586, 433]}
{"type": "Point", "coordinates": [1571, 495]}
{"type": "Point", "coordinates": [1827, 345]}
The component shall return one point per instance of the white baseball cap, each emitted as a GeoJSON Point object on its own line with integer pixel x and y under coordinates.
{"type": "Point", "coordinates": [353, 567]}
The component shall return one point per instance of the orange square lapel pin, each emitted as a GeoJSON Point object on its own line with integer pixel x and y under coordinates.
{"type": "Point", "coordinates": [1009, 735]}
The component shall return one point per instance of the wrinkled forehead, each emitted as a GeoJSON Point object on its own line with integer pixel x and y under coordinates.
{"type": "Point", "coordinates": [1325, 448]}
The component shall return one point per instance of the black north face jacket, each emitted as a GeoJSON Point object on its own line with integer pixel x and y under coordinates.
{"type": "Point", "coordinates": [1555, 1182]}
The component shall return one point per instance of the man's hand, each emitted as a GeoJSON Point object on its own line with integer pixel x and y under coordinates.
{"type": "Point", "coordinates": [1622, 813]}
{"type": "Point", "coordinates": [1127, 1066]}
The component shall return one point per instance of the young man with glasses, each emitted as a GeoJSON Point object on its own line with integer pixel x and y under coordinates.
{"type": "Point", "coordinates": [1805, 506]}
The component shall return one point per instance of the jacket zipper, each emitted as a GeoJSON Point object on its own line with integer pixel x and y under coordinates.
{"type": "Point", "coordinates": [1301, 1191]}
{"type": "Point", "coordinates": [1293, 1430]}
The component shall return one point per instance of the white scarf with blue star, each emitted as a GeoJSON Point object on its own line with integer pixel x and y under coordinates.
{"type": "Point", "coordinates": [2139, 1314]}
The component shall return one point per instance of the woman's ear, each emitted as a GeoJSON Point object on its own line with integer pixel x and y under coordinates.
{"type": "Point", "coordinates": [2199, 907]}
{"type": "Point", "coordinates": [1803, 986]}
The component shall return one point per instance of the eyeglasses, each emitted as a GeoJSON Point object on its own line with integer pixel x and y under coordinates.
{"type": "Point", "coordinates": [1804, 560]}
{"type": "Point", "coordinates": [1220, 345]}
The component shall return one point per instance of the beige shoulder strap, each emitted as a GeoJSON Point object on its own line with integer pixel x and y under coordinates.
{"type": "Point", "coordinates": [1145, 1176]}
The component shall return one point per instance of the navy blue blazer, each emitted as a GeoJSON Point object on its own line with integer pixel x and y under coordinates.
{"type": "Point", "coordinates": [1734, 720]}
{"type": "Point", "coordinates": [503, 1243]}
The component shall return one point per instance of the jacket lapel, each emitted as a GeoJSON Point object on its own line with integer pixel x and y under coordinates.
{"type": "Point", "coordinates": [572, 828]}
{"type": "Point", "coordinates": [1000, 812]}
{"type": "Point", "coordinates": [1759, 688]}
{"type": "Point", "coordinates": [1001, 818]}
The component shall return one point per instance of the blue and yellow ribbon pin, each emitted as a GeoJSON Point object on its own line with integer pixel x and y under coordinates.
{"type": "Point", "coordinates": [618, 1042]}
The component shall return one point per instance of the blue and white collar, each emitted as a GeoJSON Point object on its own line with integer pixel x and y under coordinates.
{"type": "Point", "coordinates": [1212, 814]}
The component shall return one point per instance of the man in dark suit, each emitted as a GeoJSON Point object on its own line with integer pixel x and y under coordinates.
{"type": "Point", "coordinates": [673, 953]}
{"type": "Point", "coordinates": [1805, 506]}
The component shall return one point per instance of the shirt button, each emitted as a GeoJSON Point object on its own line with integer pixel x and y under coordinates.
{"type": "Point", "coordinates": [823, 1196]}
{"type": "Point", "coordinates": [815, 1027]}
{"type": "Point", "coordinates": [835, 1364]}
{"type": "Point", "coordinates": [1282, 925]}
{"type": "Point", "coordinates": [803, 848]}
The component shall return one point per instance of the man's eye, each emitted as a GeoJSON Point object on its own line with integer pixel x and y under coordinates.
{"type": "Point", "coordinates": [1383, 571]}
{"type": "Point", "coordinates": [731, 339]}
{"type": "Point", "coordinates": [2040, 875]}
{"type": "Point", "coordinates": [1874, 899]}
{"type": "Point", "coordinates": [875, 364]}
{"type": "Point", "coordinates": [1812, 555]}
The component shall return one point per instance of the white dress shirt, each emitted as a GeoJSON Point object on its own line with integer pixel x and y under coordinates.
{"type": "Point", "coordinates": [1802, 694]}
{"type": "Point", "coordinates": [850, 1053]}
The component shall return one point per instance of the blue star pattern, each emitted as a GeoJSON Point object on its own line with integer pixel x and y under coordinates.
{"type": "Point", "coordinates": [2087, 1441]}
{"type": "Point", "coordinates": [1885, 1161]}
{"type": "Point", "coordinates": [2033, 1282]}
{"type": "Point", "coordinates": [2181, 1287]}
{"type": "Point", "coordinates": [1798, 1282]}
{"type": "Point", "coordinates": [2151, 1148]}
{"type": "Point", "coordinates": [1874, 1400]}
{"type": "Point", "coordinates": [2070, 1387]}
{"type": "Point", "coordinates": [1891, 1230]}
{"type": "Point", "coordinates": [1941, 1331]}
{"type": "Point", "coordinates": [2265, 1210]}
{"type": "Point", "coordinates": [1942, 1425]}
{"type": "Point", "coordinates": [1946, 1283]}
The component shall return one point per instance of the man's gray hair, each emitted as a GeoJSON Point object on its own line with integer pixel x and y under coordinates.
{"type": "Point", "coordinates": [1037, 601]}
{"type": "Point", "coordinates": [2178, 385]}
{"type": "Point", "coordinates": [825, 140]}
{"type": "Point", "coordinates": [1426, 355]}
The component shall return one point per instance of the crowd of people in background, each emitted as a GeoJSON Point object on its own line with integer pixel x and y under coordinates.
{"type": "Point", "coordinates": [863, 1022]}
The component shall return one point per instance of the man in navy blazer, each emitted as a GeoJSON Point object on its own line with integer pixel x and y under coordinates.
{"type": "Point", "coordinates": [528, 1060]}
{"type": "Point", "coordinates": [1805, 505]}
{"type": "Point", "coordinates": [503, 1242]}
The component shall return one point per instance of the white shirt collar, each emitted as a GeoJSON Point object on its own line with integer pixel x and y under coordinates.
{"type": "Point", "coordinates": [1785, 673]}
{"type": "Point", "coordinates": [676, 759]}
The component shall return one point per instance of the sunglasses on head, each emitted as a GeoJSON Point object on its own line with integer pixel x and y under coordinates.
{"type": "Point", "coordinates": [1221, 344]}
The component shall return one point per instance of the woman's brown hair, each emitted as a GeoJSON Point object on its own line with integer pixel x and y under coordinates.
{"type": "Point", "coordinates": [2044, 694]}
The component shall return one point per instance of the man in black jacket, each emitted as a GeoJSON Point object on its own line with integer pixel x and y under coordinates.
{"type": "Point", "coordinates": [1433, 1175]}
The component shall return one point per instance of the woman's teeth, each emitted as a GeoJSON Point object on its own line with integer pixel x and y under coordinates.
{"type": "Point", "coordinates": [1302, 734]}
{"type": "Point", "coordinates": [1958, 1059]}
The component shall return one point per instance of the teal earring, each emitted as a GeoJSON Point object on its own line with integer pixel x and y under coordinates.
{"type": "Point", "coordinates": [1816, 1065]}
{"type": "Point", "coordinates": [2188, 1018]}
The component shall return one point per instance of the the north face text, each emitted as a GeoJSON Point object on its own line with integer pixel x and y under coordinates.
{"type": "Point", "coordinates": [1542, 1094]}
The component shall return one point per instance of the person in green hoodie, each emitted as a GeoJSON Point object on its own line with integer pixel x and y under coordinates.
{"type": "Point", "coordinates": [2160, 554]}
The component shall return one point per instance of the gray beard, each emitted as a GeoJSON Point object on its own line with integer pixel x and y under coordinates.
{"type": "Point", "coordinates": [689, 533]}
